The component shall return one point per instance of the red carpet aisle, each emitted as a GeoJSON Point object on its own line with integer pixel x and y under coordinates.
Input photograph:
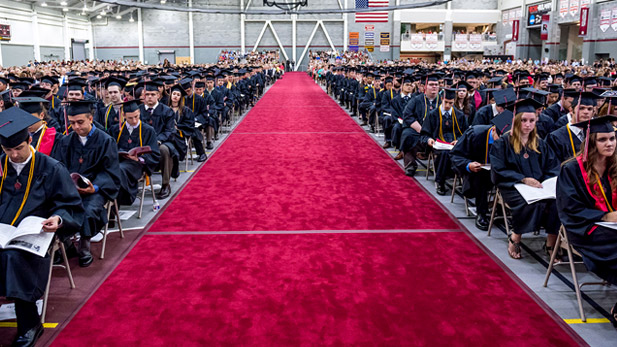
{"type": "Point", "coordinates": [298, 163]}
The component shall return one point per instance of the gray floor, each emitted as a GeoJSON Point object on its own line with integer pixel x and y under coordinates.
{"type": "Point", "coordinates": [558, 296]}
{"type": "Point", "coordinates": [531, 269]}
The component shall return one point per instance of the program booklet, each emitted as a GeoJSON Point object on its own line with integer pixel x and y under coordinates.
{"type": "Point", "coordinates": [27, 236]}
{"type": "Point", "coordinates": [532, 194]}
{"type": "Point", "coordinates": [80, 181]}
{"type": "Point", "coordinates": [137, 151]}
{"type": "Point", "coordinates": [442, 146]}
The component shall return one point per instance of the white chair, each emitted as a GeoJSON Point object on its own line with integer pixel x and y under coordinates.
{"type": "Point", "coordinates": [562, 242]}
{"type": "Point", "coordinates": [108, 206]}
{"type": "Point", "coordinates": [56, 245]}
{"type": "Point", "coordinates": [145, 180]}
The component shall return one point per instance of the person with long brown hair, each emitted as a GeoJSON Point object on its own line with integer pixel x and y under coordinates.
{"type": "Point", "coordinates": [587, 194]}
{"type": "Point", "coordinates": [521, 156]}
{"type": "Point", "coordinates": [462, 101]}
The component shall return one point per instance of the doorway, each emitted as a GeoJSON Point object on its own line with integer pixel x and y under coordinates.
{"type": "Point", "coordinates": [169, 55]}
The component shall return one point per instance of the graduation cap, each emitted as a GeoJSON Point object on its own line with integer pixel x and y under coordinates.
{"type": "Point", "coordinates": [605, 81]}
{"type": "Point", "coordinates": [186, 83]}
{"type": "Point", "coordinates": [209, 77]}
{"type": "Point", "coordinates": [595, 125]}
{"type": "Point", "coordinates": [449, 93]}
{"type": "Point", "coordinates": [589, 81]}
{"type": "Point", "coordinates": [149, 86]}
{"type": "Point", "coordinates": [178, 88]}
{"type": "Point", "coordinates": [114, 81]}
{"type": "Point", "coordinates": [504, 97]}
{"type": "Point", "coordinates": [49, 79]}
{"type": "Point", "coordinates": [4, 80]}
{"type": "Point", "coordinates": [33, 93]}
{"type": "Point", "coordinates": [582, 98]}
{"type": "Point", "coordinates": [554, 88]}
{"type": "Point", "coordinates": [79, 107]}
{"type": "Point", "coordinates": [19, 85]}
{"type": "Point", "coordinates": [541, 77]}
{"type": "Point", "coordinates": [536, 94]}
{"type": "Point", "coordinates": [6, 96]}
{"type": "Point", "coordinates": [14, 124]}
{"type": "Point", "coordinates": [573, 78]}
{"type": "Point", "coordinates": [502, 122]}
{"type": "Point", "coordinates": [389, 80]}
{"type": "Point", "coordinates": [525, 106]}
{"type": "Point", "coordinates": [558, 75]}
{"type": "Point", "coordinates": [31, 104]}
{"type": "Point", "coordinates": [75, 84]}
{"type": "Point", "coordinates": [407, 79]}
{"type": "Point", "coordinates": [463, 84]}
{"type": "Point", "coordinates": [494, 80]}
{"type": "Point", "coordinates": [200, 84]}
{"type": "Point", "coordinates": [130, 106]}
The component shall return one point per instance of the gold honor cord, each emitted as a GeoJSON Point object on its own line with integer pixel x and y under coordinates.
{"type": "Point", "coordinates": [488, 134]}
{"type": "Point", "coordinates": [122, 128]}
{"type": "Point", "coordinates": [571, 140]}
{"type": "Point", "coordinates": [30, 175]}
{"type": "Point", "coordinates": [107, 114]}
{"type": "Point", "coordinates": [454, 121]}
{"type": "Point", "coordinates": [610, 208]}
{"type": "Point", "coordinates": [38, 143]}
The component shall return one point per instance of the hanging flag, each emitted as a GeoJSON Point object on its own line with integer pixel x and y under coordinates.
{"type": "Point", "coordinates": [563, 8]}
{"type": "Point", "coordinates": [605, 20]}
{"type": "Point", "coordinates": [614, 19]}
{"type": "Point", "coordinates": [362, 17]}
{"type": "Point", "coordinates": [573, 7]}
{"type": "Point", "coordinates": [515, 30]}
{"type": "Point", "coordinates": [582, 29]}
{"type": "Point", "coordinates": [546, 21]}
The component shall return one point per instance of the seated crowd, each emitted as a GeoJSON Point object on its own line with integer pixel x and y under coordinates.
{"type": "Point", "coordinates": [78, 136]}
{"type": "Point", "coordinates": [500, 126]}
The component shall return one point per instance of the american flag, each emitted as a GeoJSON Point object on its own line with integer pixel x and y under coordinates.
{"type": "Point", "coordinates": [371, 16]}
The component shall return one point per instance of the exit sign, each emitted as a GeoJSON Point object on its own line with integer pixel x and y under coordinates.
{"type": "Point", "coordinates": [5, 32]}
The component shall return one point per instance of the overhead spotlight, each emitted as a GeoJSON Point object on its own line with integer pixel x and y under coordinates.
{"type": "Point", "coordinates": [103, 13]}
{"type": "Point", "coordinates": [44, 4]}
{"type": "Point", "coordinates": [118, 16]}
{"type": "Point", "coordinates": [99, 16]}
{"type": "Point", "coordinates": [131, 19]}
{"type": "Point", "coordinates": [62, 3]}
{"type": "Point", "coordinates": [64, 9]}
{"type": "Point", "coordinates": [163, 2]}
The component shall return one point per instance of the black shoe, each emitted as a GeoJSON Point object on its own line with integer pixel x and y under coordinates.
{"type": "Point", "coordinates": [364, 123]}
{"type": "Point", "coordinates": [410, 172]}
{"type": "Point", "coordinates": [441, 189]}
{"type": "Point", "coordinates": [482, 222]}
{"type": "Point", "coordinates": [202, 158]}
{"type": "Point", "coordinates": [29, 338]}
{"type": "Point", "coordinates": [209, 145]}
{"type": "Point", "coordinates": [164, 192]}
{"type": "Point", "coordinates": [86, 260]}
{"type": "Point", "coordinates": [58, 260]}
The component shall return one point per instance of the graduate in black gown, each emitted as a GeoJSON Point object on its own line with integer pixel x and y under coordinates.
{"type": "Point", "coordinates": [44, 136]}
{"type": "Point", "coordinates": [414, 115]}
{"type": "Point", "coordinates": [131, 134]}
{"type": "Point", "coordinates": [108, 116]}
{"type": "Point", "coordinates": [92, 153]}
{"type": "Point", "coordinates": [566, 140]}
{"type": "Point", "coordinates": [586, 195]}
{"type": "Point", "coordinates": [51, 195]}
{"type": "Point", "coordinates": [445, 124]}
{"type": "Point", "coordinates": [395, 110]}
{"type": "Point", "coordinates": [468, 156]}
{"type": "Point", "coordinates": [520, 156]}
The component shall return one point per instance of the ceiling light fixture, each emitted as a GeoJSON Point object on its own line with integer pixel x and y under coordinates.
{"type": "Point", "coordinates": [64, 9]}
{"type": "Point", "coordinates": [118, 16]}
{"type": "Point", "coordinates": [131, 19]}
{"type": "Point", "coordinates": [99, 16]}
{"type": "Point", "coordinates": [44, 4]}
{"type": "Point", "coordinates": [63, 3]}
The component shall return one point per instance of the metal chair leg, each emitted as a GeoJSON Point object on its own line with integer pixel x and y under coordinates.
{"type": "Point", "coordinates": [493, 211]}
{"type": "Point", "coordinates": [118, 219]}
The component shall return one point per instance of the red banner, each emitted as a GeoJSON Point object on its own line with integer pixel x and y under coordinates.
{"type": "Point", "coordinates": [582, 29]}
{"type": "Point", "coordinates": [515, 24]}
{"type": "Point", "coordinates": [546, 20]}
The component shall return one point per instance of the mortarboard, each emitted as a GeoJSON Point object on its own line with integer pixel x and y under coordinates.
{"type": "Point", "coordinates": [525, 106]}
{"type": "Point", "coordinates": [4, 80]}
{"type": "Point", "coordinates": [179, 88]}
{"type": "Point", "coordinates": [502, 122]}
{"type": "Point", "coordinates": [75, 84]}
{"type": "Point", "coordinates": [589, 81]}
{"type": "Point", "coordinates": [130, 106]}
{"type": "Point", "coordinates": [463, 84]}
{"type": "Point", "coordinates": [79, 107]}
{"type": "Point", "coordinates": [114, 81]}
{"type": "Point", "coordinates": [504, 97]}
{"type": "Point", "coordinates": [31, 104]}
{"type": "Point", "coordinates": [14, 124]}
{"type": "Point", "coordinates": [582, 98]}
{"type": "Point", "coordinates": [449, 93]}
{"type": "Point", "coordinates": [602, 124]}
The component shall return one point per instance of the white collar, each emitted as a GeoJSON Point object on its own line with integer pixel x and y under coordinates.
{"type": "Point", "coordinates": [494, 107]}
{"type": "Point", "coordinates": [404, 95]}
{"type": "Point", "coordinates": [39, 129]}
{"type": "Point", "coordinates": [576, 131]}
{"type": "Point", "coordinates": [444, 111]}
{"type": "Point", "coordinates": [20, 166]}
{"type": "Point", "coordinates": [153, 107]}
{"type": "Point", "coordinates": [130, 127]}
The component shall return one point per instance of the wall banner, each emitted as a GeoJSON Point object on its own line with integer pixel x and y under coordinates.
{"type": "Point", "coordinates": [605, 20]}
{"type": "Point", "coordinates": [584, 21]}
{"type": "Point", "coordinates": [515, 24]}
{"type": "Point", "coordinates": [546, 21]}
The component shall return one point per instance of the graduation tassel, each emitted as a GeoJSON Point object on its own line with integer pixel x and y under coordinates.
{"type": "Point", "coordinates": [586, 150]}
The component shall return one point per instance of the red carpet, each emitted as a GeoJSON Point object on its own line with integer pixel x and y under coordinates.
{"type": "Point", "coordinates": [434, 287]}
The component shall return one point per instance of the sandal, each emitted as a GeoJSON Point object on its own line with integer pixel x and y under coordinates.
{"type": "Point", "coordinates": [517, 248]}
{"type": "Point", "coordinates": [613, 316]}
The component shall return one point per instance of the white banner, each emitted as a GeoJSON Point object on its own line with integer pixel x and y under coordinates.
{"type": "Point", "coordinates": [563, 8]}
{"type": "Point", "coordinates": [417, 41]}
{"type": "Point", "coordinates": [384, 48]}
{"type": "Point", "coordinates": [573, 7]}
{"type": "Point", "coordinates": [475, 41]}
{"type": "Point", "coordinates": [605, 20]}
{"type": "Point", "coordinates": [614, 19]}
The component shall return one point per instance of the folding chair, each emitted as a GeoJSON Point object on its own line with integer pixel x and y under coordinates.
{"type": "Point", "coordinates": [430, 164]}
{"type": "Point", "coordinates": [455, 183]}
{"type": "Point", "coordinates": [189, 153]}
{"type": "Point", "coordinates": [498, 200]}
{"type": "Point", "coordinates": [108, 206]}
{"type": "Point", "coordinates": [563, 242]}
{"type": "Point", "coordinates": [145, 180]}
{"type": "Point", "coordinates": [56, 245]}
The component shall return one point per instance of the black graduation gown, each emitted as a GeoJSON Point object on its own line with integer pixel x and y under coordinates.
{"type": "Point", "coordinates": [509, 168]}
{"type": "Point", "coordinates": [392, 127]}
{"type": "Point", "coordinates": [560, 144]}
{"type": "Point", "coordinates": [417, 109]}
{"type": "Point", "coordinates": [163, 122]}
{"type": "Point", "coordinates": [483, 115]}
{"type": "Point", "coordinates": [555, 111]}
{"type": "Point", "coordinates": [185, 126]}
{"type": "Point", "coordinates": [97, 160]}
{"type": "Point", "coordinates": [450, 132]}
{"type": "Point", "coordinates": [24, 275]}
{"type": "Point", "coordinates": [563, 120]}
{"type": "Point", "coordinates": [132, 170]}
{"type": "Point", "coordinates": [473, 146]}
{"type": "Point", "coordinates": [37, 135]}
{"type": "Point", "coordinates": [579, 211]}
{"type": "Point", "coordinates": [107, 117]}
{"type": "Point", "coordinates": [544, 125]}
